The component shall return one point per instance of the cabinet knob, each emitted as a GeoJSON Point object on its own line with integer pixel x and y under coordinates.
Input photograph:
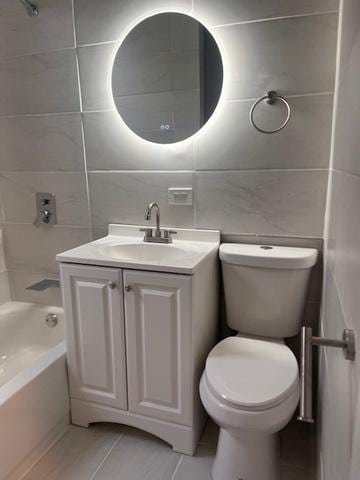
{"type": "Point", "coordinates": [128, 288]}
{"type": "Point", "coordinates": [112, 285]}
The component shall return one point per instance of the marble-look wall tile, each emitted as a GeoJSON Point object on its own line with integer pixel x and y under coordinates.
{"type": "Point", "coordinates": [99, 232]}
{"type": "Point", "coordinates": [344, 241]}
{"type": "Point", "coordinates": [110, 145]}
{"type": "Point", "coordinates": [33, 249]}
{"type": "Point", "coordinates": [346, 143]}
{"type": "Point", "coordinates": [339, 380]}
{"type": "Point", "coordinates": [339, 414]}
{"type": "Point", "coordinates": [95, 65]}
{"type": "Point", "coordinates": [21, 280]}
{"type": "Point", "coordinates": [262, 202]}
{"type": "Point", "coordinates": [43, 83]}
{"type": "Point", "coordinates": [303, 143]}
{"type": "Point", "coordinates": [5, 293]}
{"type": "Point", "coordinates": [2, 252]}
{"type": "Point", "coordinates": [22, 34]}
{"type": "Point", "coordinates": [121, 197]}
{"type": "Point", "coordinates": [214, 12]}
{"type": "Point", "coordinates": [19, 189]}
{"type": "Point", "coordinates": [285, 241]}
{"type": "Point", "coordinates": [265, 56]}
{"type": "Point", "coordinates": [41, 143]}
{"type": "Point", "coordinates": [106, 20]}
{"type": "Point", "coordinates": [274, 203]}
{"type": "Point", "coordinates": [1, 210]}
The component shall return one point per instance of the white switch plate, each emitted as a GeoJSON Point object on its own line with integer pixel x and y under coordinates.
{"type": "Point", "coordinates": [180, 195]}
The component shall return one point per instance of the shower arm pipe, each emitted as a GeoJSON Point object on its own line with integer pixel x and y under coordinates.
{"type": "Point", "coordinates": [31, 8]}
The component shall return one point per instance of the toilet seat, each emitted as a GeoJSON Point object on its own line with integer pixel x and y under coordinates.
{"type": "Point", "coordinates": [251, 374]}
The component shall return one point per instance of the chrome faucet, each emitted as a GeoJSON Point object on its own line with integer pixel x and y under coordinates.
{"type": "Point", "coordinates": [148, 216]}
{"type": "Point", "coordinates": [157, 235]}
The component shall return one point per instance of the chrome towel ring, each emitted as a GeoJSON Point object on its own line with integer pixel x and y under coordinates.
{"type": "Point", "coordinates": [271, 98]}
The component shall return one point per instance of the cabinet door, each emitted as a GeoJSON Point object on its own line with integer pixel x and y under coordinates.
{"type": "Point", "coordinates": [158, 340]}
{"type": "Point", "coordinates": [93, 303]}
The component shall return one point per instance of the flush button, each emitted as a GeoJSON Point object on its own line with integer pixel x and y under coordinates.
{"type": "Point", "coordinates": [266, 247]}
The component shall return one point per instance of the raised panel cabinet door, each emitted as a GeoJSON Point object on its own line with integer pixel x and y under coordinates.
{"type": "Point", "coordinates": [158, 340]}
{"type": "Point", "coordinates": [93, 302]}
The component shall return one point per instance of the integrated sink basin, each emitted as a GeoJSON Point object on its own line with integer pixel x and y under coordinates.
{"type": "Point", "coordinates": [124, 247]}
{"type": "Point", "coordinates": [148, 252]}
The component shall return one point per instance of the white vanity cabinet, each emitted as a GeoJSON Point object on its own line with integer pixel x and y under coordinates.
{"type": "Point", "coordinates": [158, 333]}
{"type": "Point", "coordinates": [95, 334]}
{"type": "Point", "coordinates": [137, 345]}
{"type": "Point", "coordinates": [141, 319]}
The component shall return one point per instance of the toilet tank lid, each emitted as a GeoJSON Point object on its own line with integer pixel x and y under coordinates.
{"type": "Point", "coordinates": [268, 256]}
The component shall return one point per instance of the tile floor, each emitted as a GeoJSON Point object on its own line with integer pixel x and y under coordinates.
{"type": "Point", "coordinates": [115, 452]}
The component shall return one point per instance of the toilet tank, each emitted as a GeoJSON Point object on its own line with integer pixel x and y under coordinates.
{"type": "Point", "coordinates": [265, 287]}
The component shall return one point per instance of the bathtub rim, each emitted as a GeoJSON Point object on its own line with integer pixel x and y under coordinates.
{"type": "Point", "coordinates": [21, 379]}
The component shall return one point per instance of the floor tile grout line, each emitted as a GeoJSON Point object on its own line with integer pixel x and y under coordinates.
{"type": "Point", "coordinates": [177, 467]}
{"type": "Point", "coordinates": [108, 454]}
{"type": "Point", "coordinates": [45, 453]}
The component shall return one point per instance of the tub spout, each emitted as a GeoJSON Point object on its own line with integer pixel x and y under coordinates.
{"type": "Point", "coordinates": [44, 285]}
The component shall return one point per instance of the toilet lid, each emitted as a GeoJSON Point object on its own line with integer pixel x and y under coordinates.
{"type": "Point", "coordinates": [252, 374]}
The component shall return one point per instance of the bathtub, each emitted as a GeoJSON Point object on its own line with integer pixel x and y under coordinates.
{"type": "Point", "coordinates": [34, 399]}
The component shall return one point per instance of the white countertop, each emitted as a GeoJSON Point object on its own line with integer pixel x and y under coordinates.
{"type": "Point", "coordinates": [199, 243]}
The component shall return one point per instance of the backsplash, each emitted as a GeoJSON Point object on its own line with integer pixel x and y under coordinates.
{"type": "Point", "coordinates": [59, 132]}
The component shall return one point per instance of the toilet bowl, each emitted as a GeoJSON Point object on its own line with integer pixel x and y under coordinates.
{"type": "Point", "coordinates": [250, 388]}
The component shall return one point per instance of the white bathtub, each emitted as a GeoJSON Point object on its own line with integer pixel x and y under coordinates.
{"type": "Point", "coordinates": [34, 405]}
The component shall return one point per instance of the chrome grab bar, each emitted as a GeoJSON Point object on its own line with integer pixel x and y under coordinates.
{"type": "Point", "coordinates": [306, 365]}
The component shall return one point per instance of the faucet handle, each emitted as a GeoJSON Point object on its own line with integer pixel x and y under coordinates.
{"type": "Point", "coordinates": [148, 232]}
{"type": "Point", "coordinates": [169, 233]}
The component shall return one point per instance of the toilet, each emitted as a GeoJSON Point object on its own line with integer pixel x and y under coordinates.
{"type": "Point", "coordinates": [250, 386]}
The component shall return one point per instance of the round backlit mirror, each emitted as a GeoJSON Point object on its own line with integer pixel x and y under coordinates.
{"type": "Point", "coordinates": [167, 78]}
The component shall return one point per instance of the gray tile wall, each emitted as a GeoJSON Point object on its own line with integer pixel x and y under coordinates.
{"type": "Point", "coordinates": [339, 410]}
{"type": "Point", "coordinates": [58, 131]}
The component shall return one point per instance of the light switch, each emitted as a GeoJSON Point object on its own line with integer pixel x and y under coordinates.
{"type": "Point", "coordinates": [180, 195]}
